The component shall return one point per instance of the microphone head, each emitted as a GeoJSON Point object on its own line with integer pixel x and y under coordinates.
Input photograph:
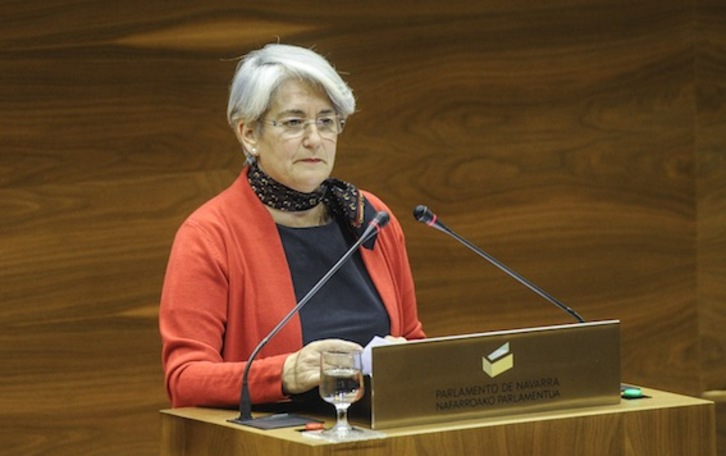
{"type": "Point", "coordinates": [381, 219]}
{"type": "Point", "coordinates": [423, 214]}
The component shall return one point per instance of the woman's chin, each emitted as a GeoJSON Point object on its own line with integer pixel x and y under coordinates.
{"type": "Point", "coordinates": [309, 182]}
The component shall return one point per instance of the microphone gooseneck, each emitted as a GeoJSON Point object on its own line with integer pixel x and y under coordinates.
{"type": "Point", "coordinates": [380, 220]}
{"type": "Point", "coordinates": [424, 215]}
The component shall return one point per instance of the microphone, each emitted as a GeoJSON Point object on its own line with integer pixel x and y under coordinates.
{"type": "Point", "coordinates": [424, 215]}
{"type": "Point", "coordinates": [380, 220]}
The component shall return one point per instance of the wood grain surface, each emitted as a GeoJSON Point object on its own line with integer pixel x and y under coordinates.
{"type": "Point", "coordinates": [581, 143]}
{"type": "Point", "coordinates": [711, 203]}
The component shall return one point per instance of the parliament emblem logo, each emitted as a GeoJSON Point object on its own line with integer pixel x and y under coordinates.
{"type": "Point", "coordinates": [498, 361]}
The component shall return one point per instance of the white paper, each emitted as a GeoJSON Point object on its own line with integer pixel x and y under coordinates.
{"type": "Point", "coordinates": [367, 353]}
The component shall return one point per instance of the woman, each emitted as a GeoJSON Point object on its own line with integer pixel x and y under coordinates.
{"type": "Point", "coordinates": [241, 261]}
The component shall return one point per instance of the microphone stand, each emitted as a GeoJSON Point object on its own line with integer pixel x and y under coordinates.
{"type": "Point", "coordinates": [285, 419]}
{"type": "Point", "coordinates": [424, 215]}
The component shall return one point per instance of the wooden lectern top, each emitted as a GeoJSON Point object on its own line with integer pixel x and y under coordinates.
{"type": "Point", "coordinates": [663, 424]}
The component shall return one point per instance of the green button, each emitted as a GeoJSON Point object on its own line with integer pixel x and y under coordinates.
{"type": "Point", "coordinates": [632, 392]}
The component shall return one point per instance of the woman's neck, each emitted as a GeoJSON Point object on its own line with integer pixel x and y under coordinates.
{"type": "Point", "coordinates": [315, 216]}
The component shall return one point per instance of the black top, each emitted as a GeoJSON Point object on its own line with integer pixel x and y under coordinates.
{"type": "Point", "coordinates": [348, 306]}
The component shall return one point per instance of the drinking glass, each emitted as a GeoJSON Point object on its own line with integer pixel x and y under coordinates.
{"type": "Point", "coordinates": [341, 384]}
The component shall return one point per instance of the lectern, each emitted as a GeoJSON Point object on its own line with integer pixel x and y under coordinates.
{"type": "Point", "coordinates": [663, 424]}
{"type": "Point", "coordinates": [536, 391]}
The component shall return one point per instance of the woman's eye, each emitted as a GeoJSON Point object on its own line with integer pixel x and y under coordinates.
{"type": "Point", "coordinates": [326, 122]}
{"type": "Point", "coordinates": [292, 122]}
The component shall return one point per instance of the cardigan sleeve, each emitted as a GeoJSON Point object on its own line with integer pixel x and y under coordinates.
{"type": "Point", "coordinates": [411, 327]}
{"type": "Point", "coordinates": [391, 271]}
{"type": "Point", "coordinates": [193, 320]}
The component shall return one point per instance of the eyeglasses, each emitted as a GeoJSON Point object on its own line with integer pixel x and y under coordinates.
{"type": "Point", "coordinates": [292, 127]}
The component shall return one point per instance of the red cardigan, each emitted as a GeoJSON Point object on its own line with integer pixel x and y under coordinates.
{"type": "Point", "coordinates": [228, 284]}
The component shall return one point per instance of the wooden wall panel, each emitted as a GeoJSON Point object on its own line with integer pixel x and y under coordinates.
{"type": "Point", "coordinates": [711, 153]}
{"type": "Point", "coordinates": [711, 185]}
{"type": "Point", "coordinates": [560, 139]}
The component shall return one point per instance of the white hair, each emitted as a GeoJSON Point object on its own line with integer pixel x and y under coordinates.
{"type": "Point", "coordinates": [261, 72]}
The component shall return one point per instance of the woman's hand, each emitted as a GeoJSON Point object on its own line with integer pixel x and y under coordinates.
{"type": "Point", "coordinates": [301, 371]}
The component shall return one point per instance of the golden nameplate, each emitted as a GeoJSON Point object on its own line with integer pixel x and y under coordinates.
{"type": "Point", "coordinates": [503, 372]}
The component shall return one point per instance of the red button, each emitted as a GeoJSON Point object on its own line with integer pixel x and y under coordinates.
{"type": "Point", "coordinates": [313, 426]}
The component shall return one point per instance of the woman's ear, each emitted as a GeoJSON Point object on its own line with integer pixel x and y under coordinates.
{"type": "Point", "coordinates": [246, 135]}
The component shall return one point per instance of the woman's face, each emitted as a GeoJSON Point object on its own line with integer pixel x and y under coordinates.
{"type": "Point", "coordinates": [301, 162]}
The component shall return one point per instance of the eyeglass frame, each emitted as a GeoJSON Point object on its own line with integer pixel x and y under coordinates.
{"type": "Point", "coordinates": [340, 122]}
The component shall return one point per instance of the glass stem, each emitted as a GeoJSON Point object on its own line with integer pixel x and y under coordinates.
{"type": "Point", "coordinates": [342, 421]}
